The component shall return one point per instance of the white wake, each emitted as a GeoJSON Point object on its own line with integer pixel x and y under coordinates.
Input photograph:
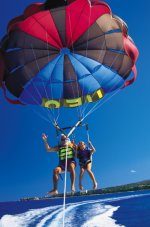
{"type": "Point", "coordinates": [90, 213]}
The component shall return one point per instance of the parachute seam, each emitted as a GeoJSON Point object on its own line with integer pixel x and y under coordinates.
{"type": "Point", "coordinates": [50, 35]}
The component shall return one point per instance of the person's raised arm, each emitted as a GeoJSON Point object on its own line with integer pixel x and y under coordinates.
{"type": "Point", "coordinates": [47, 147]}
{"type": "Point", "coordinates": [91, 146]}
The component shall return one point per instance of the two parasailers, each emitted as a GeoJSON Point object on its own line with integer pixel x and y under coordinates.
{"type": "Point", "coordinates": [67, 152]}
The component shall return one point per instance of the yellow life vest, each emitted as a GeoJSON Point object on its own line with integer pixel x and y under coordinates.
{"type": "Point", "coordinates": [62, 153]}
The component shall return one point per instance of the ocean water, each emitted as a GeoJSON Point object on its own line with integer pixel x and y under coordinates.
{"type": "Point", "coordinates": [130, 209]}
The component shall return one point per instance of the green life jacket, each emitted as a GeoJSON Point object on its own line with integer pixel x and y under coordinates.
{"type": "Point", "coordinates": [62, 153]}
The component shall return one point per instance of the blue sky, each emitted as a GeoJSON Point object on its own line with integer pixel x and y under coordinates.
{"type": "Point", "coordinates": [119, 130]}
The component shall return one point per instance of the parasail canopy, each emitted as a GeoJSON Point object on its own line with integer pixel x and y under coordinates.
{"type": "Point", "coordinates": [66, 53]}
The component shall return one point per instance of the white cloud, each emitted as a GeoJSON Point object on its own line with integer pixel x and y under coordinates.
{"type": "Point", "coordinates": [132, 171]}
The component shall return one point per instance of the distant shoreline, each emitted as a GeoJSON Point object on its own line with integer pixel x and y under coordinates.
{"type": "Point", "coordinates": [144, 185]}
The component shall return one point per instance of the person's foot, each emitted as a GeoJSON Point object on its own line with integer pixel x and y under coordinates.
{"type": "Point", "coordinates": [73, 189]}
{"type": "Point", "coordinates": [95, 186]}
{"type": "Point", "coordinates": [80, 186]}
{"type": "Point", "coordinates": [53, 192]}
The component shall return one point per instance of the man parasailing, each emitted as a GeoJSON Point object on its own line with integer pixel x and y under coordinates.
{"type": "Point", "coordinates": [64, 147]}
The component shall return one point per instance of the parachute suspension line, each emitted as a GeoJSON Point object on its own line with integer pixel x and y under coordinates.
{"type": "Point", "coordinates": [38, 70]}
{"type": "Point", "coordinates": [104, 43]}
{"type": "Point", "coordinates": [42, 81]}
{"type": "Point", "coordinates": [46, 119]}
{"type": "Point", "coordinates": [88, 33]}
{"type": "Point", "coordinates": [59, 129]}
{"type": "Point", "coordinates": [87, 44]}
{"type": "Point", "coordinates": [86, 106]}
{"type": "Point", "coordinates": [49, 119]}
{"type": "Point", "coordinates": [87, 131]}
{"type": "Point", "coordinates": [47, 44]}
{"type": "Point", "coordinates": [52, 112]}
{"type": "Point", "coordinates": [109, 97]}
{"type": "Point", "coordinates": [99, 104]}
{"type": "Point", "coordinates": [41, 116]}
{"type": "Point", "coordinates": [78, 110]}
{"type": "Point", "coordinates": [80, 115]}
{"type": "Point", "coordinates": [55, 117]}
{"type": "Point", "coordinates": [71, 32]}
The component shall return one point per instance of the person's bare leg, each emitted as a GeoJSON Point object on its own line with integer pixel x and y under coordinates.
{"type": "Point", "coordinates": [72, 176]}
{"type": "Point", "coordinates": [56, 173]}
{"type": "Point", "coordinates": [89, 166]}
{"type": "Point", "coordinates": [81, 177]}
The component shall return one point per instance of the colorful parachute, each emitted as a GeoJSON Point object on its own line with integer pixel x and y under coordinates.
{"type": "Point", "coordinates": [66, 53]}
